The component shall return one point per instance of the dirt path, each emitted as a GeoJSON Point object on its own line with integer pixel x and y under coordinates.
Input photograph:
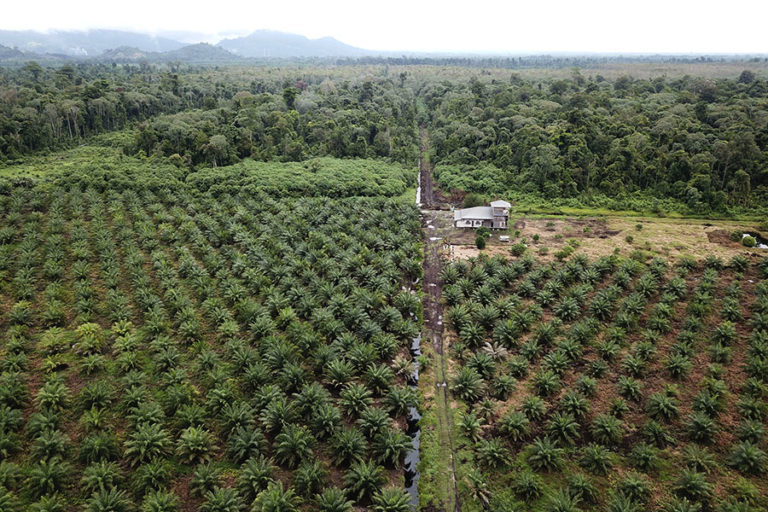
{"type": "Point", "coordinates": [431, 198]}
{"type": "Point", "coordinates": [434, 223]}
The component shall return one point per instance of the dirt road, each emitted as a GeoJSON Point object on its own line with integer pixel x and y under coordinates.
{"type": "Point", "coordinates": [435, 223]}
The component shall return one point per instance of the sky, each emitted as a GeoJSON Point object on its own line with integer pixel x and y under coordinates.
{"type": "Point", "coordinates": [475, 26]}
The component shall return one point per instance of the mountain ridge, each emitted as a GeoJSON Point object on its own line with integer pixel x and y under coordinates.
{"type": "Point", "coordinates": [124, 45]}
{"type": "Point", "coordinates": [271, 43]}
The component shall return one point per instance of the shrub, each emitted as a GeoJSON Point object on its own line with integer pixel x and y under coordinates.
{"type": "Point", "coordinates": [111, 500]}
{"type": "Point", "coordinates": [527, 486]}
{"type": "Point", "coordinates": [747, 458]}
{"type": "Point", "coordinates": [205, 478]}
{"type": "Point", "coordinates": [644, 457]}
{"type": "Point", "coordinates": [534, 408]}
{"type": "Point", "coordinates": [149, 441]}
{"type": "Point", "coordinates": [160, 501]}
{"type": "Point", "coordinates": [362, 481]}
{"type": "Point", "coordinates": [693, 485]}
{"type": "Point", "coordinates": [606, 429]}
{"type": "Point", "coordinates": [661, 406]}
{"type": "Point", "coordinates": [580, 486]}
{"type": "Point", "coordinates": [562, 501]}
{"type": "Point", "coordinates": [596, 459]}
{"type": "Point", "coordinates": [698, 459]}
{"type": "Point", "coordinates": [751, 430]}
{"type": "Point", "coordinates": [333, 499]}
{"type": "Point", "coordinates": [48, 477]}
{"type": "Point", "coordinates": [467, 385]}
{"type": "Point", "coordinates": [293, 444]}
{"type": "Point", "coordinates": [221, 500]}
{"type": "Point", "coordinates": [563, 428]}
{"type": "Point", "coordinates": [515, 426]}
{"type": "Point", "coordinates": [701, 428]}
{"type": "Point", "coordinates": [276, 499]}
{"type": "Point", "coordinates": [491, 453]}
{"type": "Point", "coordinates": [634, 487]}
{"type": "Point", "coordinates": [544, 455]}
{"type": "Point", "coordinates": [546, 383]}
{"type": "Point", "coordinates": [748, 241]}
{"type": "Point", "coordinates": [391, 499]}
{"type": "Point", "coordinates": [194, 445]}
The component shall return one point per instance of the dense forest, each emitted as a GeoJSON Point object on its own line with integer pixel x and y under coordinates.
{"type": "Point", "coordinates": [691, 143]}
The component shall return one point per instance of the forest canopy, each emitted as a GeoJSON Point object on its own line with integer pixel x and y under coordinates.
{"type": "Point", "coordinates": [693, 143]}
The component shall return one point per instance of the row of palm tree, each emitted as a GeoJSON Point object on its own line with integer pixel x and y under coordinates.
{"type": "Point", "coordinates": [601, 361]}
{"type": "Point", "coordinates": [255, 337]}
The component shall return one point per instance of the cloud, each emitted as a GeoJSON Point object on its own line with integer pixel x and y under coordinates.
{"type": "Point", "coordinates": [668, 26]}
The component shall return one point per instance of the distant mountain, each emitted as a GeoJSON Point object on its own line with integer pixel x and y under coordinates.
{"type": "Point", "coordinates": [9, 53]}
{"type": "Point", "coordinates": [125, 53]}
{"type": "Point", "coordinates": [200, 53]}
{"type": "Point", "coordinates": [88, 43]}
{"type": "Point", "coordinates": [117, 45]}
{"type": "Point", "coordinates": [268, 43]}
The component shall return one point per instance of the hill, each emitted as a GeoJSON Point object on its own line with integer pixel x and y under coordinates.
{"type": "Point", "coordinates": [84, 43]}
{"type": "Point", "coordinates": [268, 43]}
{"type": "Point", "coordinates": [193, 53]}
{"type": "Point", "coordinates": [201, 52]}
{"type": "Point", "coordinates": [9, 53]}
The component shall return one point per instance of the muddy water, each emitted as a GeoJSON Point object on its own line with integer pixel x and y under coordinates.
{"type": "Point", "coordinates": [414, 431]}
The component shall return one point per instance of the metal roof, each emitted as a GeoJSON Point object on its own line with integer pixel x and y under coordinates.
{"type": "Point", "coordinates": [499, 203]}
{"type": "Point", "coordinates": [477, 213]}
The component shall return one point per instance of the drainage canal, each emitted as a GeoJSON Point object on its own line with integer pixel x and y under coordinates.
{"type": "Point", "coordinates": [414, 431]}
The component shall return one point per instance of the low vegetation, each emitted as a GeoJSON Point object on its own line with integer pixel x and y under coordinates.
{"type": "Point", "coordinates": [610, 384]}
{"type": "Point", "coordinates": [164, 349]}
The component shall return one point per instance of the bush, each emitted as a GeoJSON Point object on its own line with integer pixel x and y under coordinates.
{"type": "Point", "coordinates": [596, 459]}
{"type": "Point", "coordinates": [544, 455]}
{"type": "Point", "coordinates": [693, 485]}
{"type": "Point", "coordinates": [748, 241]}
{"type": "Point", "coordinates": [480, 242]}
{"type": "Point", "coordinates": [471, 200]}
{"type": "Point", "coordinates": [748, 458]}
{"type": "Point", "coordinates": [635, 488]}
{"type": "Point", "coordinates": [528, 486]}
{"type": "Point", "coordinates": [518, 249]}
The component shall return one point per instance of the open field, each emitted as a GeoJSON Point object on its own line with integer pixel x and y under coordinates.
{"type": "Point", "coordinates": [671, 239]}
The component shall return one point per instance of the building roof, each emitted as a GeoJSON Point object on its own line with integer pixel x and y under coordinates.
{"type": "Point", "coordinates": [476, 213]}
{"type": "Point", "coordinates": [500, 204]}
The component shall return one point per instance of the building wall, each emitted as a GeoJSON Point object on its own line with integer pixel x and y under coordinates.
{"type": "Point", "coordinates": [472, 223]}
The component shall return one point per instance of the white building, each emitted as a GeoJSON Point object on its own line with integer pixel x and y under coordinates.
{"type": "Point", "coordinates": [495, 216]}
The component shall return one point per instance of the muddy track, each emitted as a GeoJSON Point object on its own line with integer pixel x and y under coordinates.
{"type": "Point", "coordinates": [433, 289]}
{"type": "Point", "coordinates": [431, 197]}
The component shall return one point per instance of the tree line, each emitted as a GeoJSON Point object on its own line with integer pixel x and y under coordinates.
{"type": "Point", "coordinates": [695, 141]}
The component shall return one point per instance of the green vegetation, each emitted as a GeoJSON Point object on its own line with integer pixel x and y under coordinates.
{"type": "Point", "coordinates": [318, 177]}
{"type": "Point", "coordinates": [626, 379]}
{"type": "Point", "coordinates": [649, 145]}
{"type": "Point", "coordinates": [163, 347]}
{"type": "Point", "coordinates": [207, 289]}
